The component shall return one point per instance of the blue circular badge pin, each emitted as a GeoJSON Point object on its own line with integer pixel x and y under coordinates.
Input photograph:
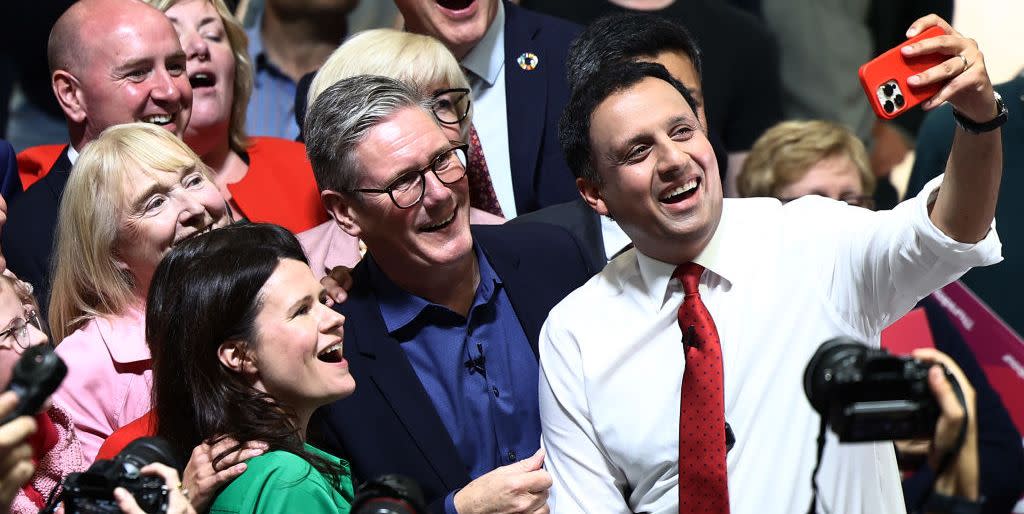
{"type": "Point", "coordinates": [528, 61]}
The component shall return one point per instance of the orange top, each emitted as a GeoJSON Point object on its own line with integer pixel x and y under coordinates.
{"type": "Point", "coordinates": [142, 427]}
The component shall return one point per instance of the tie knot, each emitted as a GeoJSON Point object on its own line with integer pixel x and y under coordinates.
{"type": "Point", "coordinates": [689, 275]}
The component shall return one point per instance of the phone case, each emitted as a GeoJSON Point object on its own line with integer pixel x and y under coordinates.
{"type": "Point", "coordinates": [884, 78]}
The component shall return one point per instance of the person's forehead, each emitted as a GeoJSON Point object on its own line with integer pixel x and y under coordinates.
{"type": "Point", "coordinates": [127, 39]}
{"type": "Point", "coordinates": [408, 137]}
{"type": "Point", "coordinates": [651, 101]}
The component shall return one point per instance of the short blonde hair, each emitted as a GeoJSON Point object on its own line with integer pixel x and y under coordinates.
{"type": "Point", "coordinates": [239, 41]}
{"type": "Point", "coordinates": [785, 152]}
{"type": "Point", "coordinates": [88, 280]}
{"type": "Point", "coordinates": [417, 60]}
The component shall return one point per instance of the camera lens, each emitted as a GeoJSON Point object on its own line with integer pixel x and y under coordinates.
{"type": "Point", "coordinates": [819, 376]}
{"type": "Point", "coordinates": [899, 100]}
{"type": "Point", "coordinates": [888, 106]}
{"type": "Point", "coordinates": [888, 89]}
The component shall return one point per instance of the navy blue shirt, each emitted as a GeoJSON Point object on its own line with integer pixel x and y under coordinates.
{"type": "Point", "coordinates": [479, 370]}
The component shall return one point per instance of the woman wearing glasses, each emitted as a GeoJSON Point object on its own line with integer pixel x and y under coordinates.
{"type": "Point", "coordinates": [53, 447]}
{"type": "Point", "coordinates": [421, 62]}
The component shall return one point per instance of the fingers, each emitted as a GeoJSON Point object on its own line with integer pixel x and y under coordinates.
{"type": "Point", "coordinates": [126, 501]}
{"type": "Point", "coordinates": [8, 401]}
{"type": "Point", "coordinates": [15, 432]}
{"type": "Point", "coordinates": [930, 20]}
{"type": "Point", "coordinates": [337, 283]}
{"type": "Point", "coordinates": [533, 462]}
{"type": "Point", "coordinates": [178, 501]}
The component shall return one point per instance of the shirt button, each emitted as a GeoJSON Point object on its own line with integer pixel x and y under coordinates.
{"type": "Point", "coordinates": [495, 391]}
{"type": "Point", "coordinates": [511, 456]}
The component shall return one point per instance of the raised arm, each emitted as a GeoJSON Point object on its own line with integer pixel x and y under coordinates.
{"type": "Point", "coordinates": [966, 202]}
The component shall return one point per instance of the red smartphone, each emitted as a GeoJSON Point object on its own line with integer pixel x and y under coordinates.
{"type": "Point", "coordinates": [884, 78]}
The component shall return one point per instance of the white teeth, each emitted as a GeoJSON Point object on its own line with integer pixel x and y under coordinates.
{"type": "Point", "coordinates": [158, 119]}
{"type": "Point", "coordinates": [329, 349]}
{"type": "Point", "coordinates": [690, 185]}
{"type": "Point", "coordinates": [201, 76]}
{"type": "Point", "coordinates": [441, 224]}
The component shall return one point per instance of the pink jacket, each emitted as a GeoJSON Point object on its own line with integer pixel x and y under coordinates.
{"type": "Point", "coordinates": [327, 245]}
{"type": "Point", "coordinates": [110, 377]}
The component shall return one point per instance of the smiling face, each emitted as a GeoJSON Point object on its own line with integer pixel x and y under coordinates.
{"type": "Point", "coordinates": [297, 357]}
{"type": "Point", "coordinates": [659, 174]}
{"type": "Point", "coordinates": [210, 67]}
{"type": "Point", "coordinates": [164, 208]}
{"type": "Point", "coordinates": [134, 71]}
{"type": "Point", "coordinates": [431, 234]}
{"type": "Point", "coordinates": [459, 24]}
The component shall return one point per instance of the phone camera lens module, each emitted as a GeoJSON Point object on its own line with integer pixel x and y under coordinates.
{"type": "Point", "coordinates": [899, 101]}
{"type": "Point", "coordinates": [888, 106]}
{"type": "Point", "coordinates": [888, 89]}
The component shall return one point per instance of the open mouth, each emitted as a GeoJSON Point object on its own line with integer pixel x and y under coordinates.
{"type": "Point", "coordinates": [455, 5]}
{"type": "Point", "coordinates": [202, 79]}
{"type": "Point", "coordinates": [158, 119]}
{"type": "Point", "coordinates": [441, 225]}
{"type": "Point", "coordinates": [682, 192]}
{"type": "Point", "coordinates": [331, 354]}
{"type": "Point", "coordinates": [194, 234]}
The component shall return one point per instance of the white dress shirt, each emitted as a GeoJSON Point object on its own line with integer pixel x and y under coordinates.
{"type": "Point", "coordinates": [486, 62]}
{"type": "Point", "coordinates": [779, 281]}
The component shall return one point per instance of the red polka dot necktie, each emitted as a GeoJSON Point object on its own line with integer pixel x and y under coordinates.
{"type": "Point", "coordinates": [481, 190]}
{"type": "Point", "coordinates": [703, 486]}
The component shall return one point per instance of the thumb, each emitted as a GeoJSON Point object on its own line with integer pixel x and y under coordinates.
{"type": "Point", "coordinates": [8, 401]}
{"type": "Point", "coordinates": [533, 462]}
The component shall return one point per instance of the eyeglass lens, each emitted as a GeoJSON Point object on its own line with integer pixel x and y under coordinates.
{"type": "Point", "coordinates": [451, 106]}
{"type": "Point", "coordinates": [448, 167]}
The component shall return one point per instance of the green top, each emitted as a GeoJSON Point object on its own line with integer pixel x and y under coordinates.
{"type": "Point", "coordinates": [282, 482]}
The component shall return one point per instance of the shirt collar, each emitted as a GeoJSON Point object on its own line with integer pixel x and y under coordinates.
{"type": "Point", "coordinates": [487, 58]}
{"type": "Point", "coordinates": [725, 255]}
{"type": "Point", "coordinates": [72, 154]}
{"type": "Point", "coordinates": [399, 308]}
{"type": "Point", "coordinates": [125, 335]}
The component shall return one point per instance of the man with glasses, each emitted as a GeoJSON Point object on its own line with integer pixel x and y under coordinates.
{"type": "Point", "coordinates": [443, 318]}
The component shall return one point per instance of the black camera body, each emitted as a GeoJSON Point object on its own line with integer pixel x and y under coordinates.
{"type": "Point", "coordinates": [389, 494]}
{"type": "Point", "coordinates": [36, 375]}
{"type": "Point", "coordinates": [867, 394]}
{"type": "Point", "coordinates": [92, 491]}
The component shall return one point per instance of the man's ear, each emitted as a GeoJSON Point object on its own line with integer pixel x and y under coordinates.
{"type": "Point", "coordinates": [68, 91]}
{"type": "Point", "coordinates": [341, 207]}
{"type": "Point", "coordinates": [591, 194]}
{"type": "Point", "coordinates": [233, 355]}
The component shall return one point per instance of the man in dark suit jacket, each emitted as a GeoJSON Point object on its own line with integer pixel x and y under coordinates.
{"type": "Point", "coordinates": [111, 62]}
{"type": "Point", "coordinates": [519, 132]}
{"type": "Point", "coordinates": [442, 320]}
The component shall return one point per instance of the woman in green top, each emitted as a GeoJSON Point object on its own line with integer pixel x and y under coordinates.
{"type": "Point", "coordinates": [244, 347]}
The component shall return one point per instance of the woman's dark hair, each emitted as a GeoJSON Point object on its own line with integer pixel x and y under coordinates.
{"type": "Point", "coordinates": [206, 292]}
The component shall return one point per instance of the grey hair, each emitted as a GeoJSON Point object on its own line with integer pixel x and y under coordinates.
{"type": "Point", "coordinates": [340, 118]}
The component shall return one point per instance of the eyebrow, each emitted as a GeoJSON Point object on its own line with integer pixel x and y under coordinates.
{"type": "Point", "coordinates": [416, 169]}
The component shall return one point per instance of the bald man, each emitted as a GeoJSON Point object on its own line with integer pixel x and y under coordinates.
{"type": "Point", "coordinates": [111, 62]}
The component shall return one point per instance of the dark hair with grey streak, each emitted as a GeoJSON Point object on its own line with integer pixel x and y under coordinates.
{"type": "Point", "coordinates": [340, 118]}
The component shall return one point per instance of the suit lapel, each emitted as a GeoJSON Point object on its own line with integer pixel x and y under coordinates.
{"type": "Point", "coordinates": [393, 375]}
{"type": "Point", "coordinates": [525, 103]}
{"type": "Point", "coordinates": [507, 265]}
{"type": "Point", "coordinates": [57, 177]}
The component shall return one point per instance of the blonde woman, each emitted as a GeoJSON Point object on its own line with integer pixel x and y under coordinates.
{"type": "Point", "coordinates": [134, 192]}
{"type": "Point", "coordinates": [421, 62]}
{"type": "Point", "coordinates": [263, 178]}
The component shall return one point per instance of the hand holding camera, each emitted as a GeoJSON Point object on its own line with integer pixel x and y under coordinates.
{"type": "Point", "coordinates": [177, 503]}
{"type": "Point", "coordinates": [15, 454]}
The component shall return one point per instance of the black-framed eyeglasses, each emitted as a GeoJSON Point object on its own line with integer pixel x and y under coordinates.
{"type": "Point", "coordinates": [407, 190]}
{"type": "Point", "coordinates": [19, 330]}
{"type": "Point", "coordinates": [451, 106]}
{"type": "Point", "coordinates": [865, 201]}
